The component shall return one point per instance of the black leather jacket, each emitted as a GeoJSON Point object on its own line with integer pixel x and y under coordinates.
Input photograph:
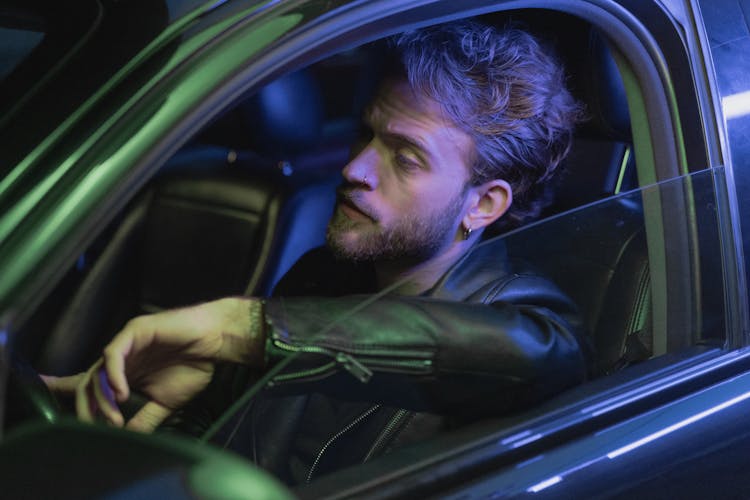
{"type": "Point", "coordinates": [490, 337]}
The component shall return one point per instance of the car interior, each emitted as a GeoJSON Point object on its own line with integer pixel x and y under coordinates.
{"type": "Point", "coordinates": [234, 208]}
{"type": "Point", "coordinates": [242, 201]}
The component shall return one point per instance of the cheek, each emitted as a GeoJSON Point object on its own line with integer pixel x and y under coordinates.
{"type": "Point", "coordinates": [414, 204]}
{"type": "Point", "coordinates": [398, 193]}
{"type": "Point", "coordinates": [395, 208]}
{"type": "Point", "coordinates": [417, 194]}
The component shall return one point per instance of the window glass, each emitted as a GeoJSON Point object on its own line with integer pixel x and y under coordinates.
{"type": "Point", "coordinates": [178, 8]}
{"type": "Point", "coordinates": [631, 263]}
{"type": "Point", "coordinates": [636, 262]}
{"type": "Point", "coordinates": [16, 47]}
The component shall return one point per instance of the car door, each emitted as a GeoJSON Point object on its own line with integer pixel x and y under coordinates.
{"type": "Point", "coordinates": [624, 426]}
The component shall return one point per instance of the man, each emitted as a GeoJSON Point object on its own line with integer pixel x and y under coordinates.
{"type": "Point", "coordinates": [468, 132]}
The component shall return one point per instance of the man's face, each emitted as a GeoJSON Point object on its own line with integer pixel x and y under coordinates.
{"type": "Point", "coordinates": [404, 193]}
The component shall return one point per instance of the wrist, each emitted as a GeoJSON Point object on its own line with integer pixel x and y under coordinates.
{"type": "Point", "coordinates": [245, 334]}
{"type": "Point", "coordinates": [257, 334]}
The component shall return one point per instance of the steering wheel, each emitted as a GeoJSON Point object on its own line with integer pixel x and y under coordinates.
{"type": "Point", "coordinates": [28, 397]}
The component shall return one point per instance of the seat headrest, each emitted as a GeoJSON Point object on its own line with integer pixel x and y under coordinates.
{"type": "Point", "coordinates": [593, 75]}
{"type": "Point", "coordinates": [599, 85]}
{"type": "Point", "coordinates": [285, 116]}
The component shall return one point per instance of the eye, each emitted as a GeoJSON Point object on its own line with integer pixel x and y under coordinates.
{"type": "Point", "coordinates": [405, 160]}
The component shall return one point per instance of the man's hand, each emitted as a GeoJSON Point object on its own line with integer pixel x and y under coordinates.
{"type": "Point", "coordinates": [62, 386]}
{"type": "Point", "coordinates": [169, 358]}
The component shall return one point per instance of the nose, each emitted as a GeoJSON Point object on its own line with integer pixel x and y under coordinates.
{"type": "Point", "coordinates": [362, 169]}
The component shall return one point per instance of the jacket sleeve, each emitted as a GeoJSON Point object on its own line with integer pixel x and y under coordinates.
{"type": "Point", "coordinates": [423, 353]}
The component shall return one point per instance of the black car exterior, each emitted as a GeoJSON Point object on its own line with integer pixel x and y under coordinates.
{"type": "Point", "coordinates": [110, 105]}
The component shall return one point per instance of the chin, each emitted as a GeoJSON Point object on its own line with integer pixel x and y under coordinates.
{"type": "Point", "coordinates": [343, 244]}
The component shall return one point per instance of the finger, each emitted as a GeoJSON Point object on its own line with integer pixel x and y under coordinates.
{"type": "Point", "coordinates": [105, 398]}
{"type": "Point", "coordinates": [63, 385]}
{"type": "Point", "coordinates": [84, 401]}
{"type": "Point", "coordinates": [149, 417]}
{"type": "Point", "coordinates": [114, 361]}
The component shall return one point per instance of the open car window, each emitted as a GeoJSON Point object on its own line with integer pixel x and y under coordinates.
{"type": "Point", "coordinates": [610, 259]}
{"type": "Point", "coordinates": [19, 46]}
{"type": "Point", "coordinates": [229, 213]}
{"type": "Point", "coordinates": [627, 259]}
{"type": "Point", "coordinates": [612, 263]}
{"type": "Point", "coordinates": [255, 189]}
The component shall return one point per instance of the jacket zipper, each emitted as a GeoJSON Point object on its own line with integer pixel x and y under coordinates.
{"type": "Point", "coordinates": [348, 362]}
{"type": "Point", "coordinates": [394, 425]}
{"type": "Point", "coordinates": [340, 433]}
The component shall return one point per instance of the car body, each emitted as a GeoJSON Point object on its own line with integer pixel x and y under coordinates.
{"type": "Point", "coordinates": [136, 101]}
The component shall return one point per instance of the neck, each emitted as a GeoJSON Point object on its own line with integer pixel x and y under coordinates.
{"type": "Point", "coordinates": [416, 279]}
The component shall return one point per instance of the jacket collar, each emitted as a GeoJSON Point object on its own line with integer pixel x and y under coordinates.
{"type": "Point", "coordinates": [484, 262]}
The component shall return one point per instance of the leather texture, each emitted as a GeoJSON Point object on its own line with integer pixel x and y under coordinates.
{"type": "Point", "coordinates": [599, 258]}
{"type": "Point", "coordinates": [490, 338]}
{"type": "Point", "coordinates": [525, 338]}
{"type": "Point", "coordinates": [205, 229]}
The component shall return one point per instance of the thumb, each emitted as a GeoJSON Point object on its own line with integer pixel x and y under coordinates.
{"type": "Point", "coordinates": [148, 417]}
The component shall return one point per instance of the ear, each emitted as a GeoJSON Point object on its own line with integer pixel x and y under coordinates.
{"type": "Point", "coordinates": [489, 201]}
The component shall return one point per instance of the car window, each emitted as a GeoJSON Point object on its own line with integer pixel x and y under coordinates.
{"type": "Point", "coordinates": [603, 254]}
{"type": "Point", "coordinates": [33, 44]}
{"type": "Point", "coordinates": [261, 181]}
{"type": "Point", "coordinates": [247, 196]}
{"type": "Point", "coordinates": [32, 36]}
{"type": "Point", "coordinates": [55, 66]}
{"type": "Point", "coordinates": [17, 47]}
{"type": "Point", "coordinates": [607, 255]}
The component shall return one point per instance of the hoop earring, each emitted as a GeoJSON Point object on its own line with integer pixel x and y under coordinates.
{"type": "Point", "coordinates": [467, 232]}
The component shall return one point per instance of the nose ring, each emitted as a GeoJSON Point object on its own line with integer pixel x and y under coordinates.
{"type": "Point", "coordinates": [364, 179]}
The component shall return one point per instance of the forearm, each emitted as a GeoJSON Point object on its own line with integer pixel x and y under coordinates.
{"type": "Point", "coordinates": [414, 353]}
{"type": "Point", "coordinates": [437, 345]}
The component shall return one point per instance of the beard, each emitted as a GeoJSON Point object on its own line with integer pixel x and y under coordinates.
{"type": "Point", "coordinates": [411, 239]}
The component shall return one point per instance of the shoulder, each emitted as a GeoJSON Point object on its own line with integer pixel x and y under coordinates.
{"type": "Point", "coordinates": [487, 274]}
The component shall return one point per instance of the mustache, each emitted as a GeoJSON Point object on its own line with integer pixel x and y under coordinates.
{"type": "Point", "coordinates": [353, 197]}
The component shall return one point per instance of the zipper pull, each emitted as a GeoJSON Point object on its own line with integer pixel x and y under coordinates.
{"type": "Point", "coordinates": [350, 364]}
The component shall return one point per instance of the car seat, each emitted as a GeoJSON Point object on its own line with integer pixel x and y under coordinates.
{"type": "Point", "coordinates": [216, 221]}
{"type": "Point", "coordinates": [597, 254]}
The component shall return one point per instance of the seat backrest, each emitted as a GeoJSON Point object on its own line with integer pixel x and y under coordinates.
{"type": "Point", "coordinates": [216, 221]}
{"type": "Point", "coordinates": [598, 254]}
{"type": "Point", "coordinates": [600, 162]}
